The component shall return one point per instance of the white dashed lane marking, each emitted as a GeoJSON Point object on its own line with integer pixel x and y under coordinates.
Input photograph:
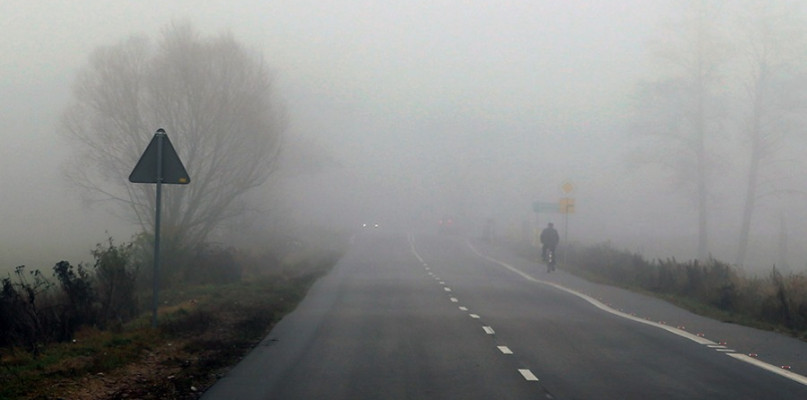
{"type": "Point", "coordinates": [528, 375]}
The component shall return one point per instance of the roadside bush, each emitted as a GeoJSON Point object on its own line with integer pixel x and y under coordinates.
{"type": "Point", "coordinates": [775, 300]}
{"type": "Point", "coordinates": [35, 311]}
{"type": "Point", "coordinates": [258, 263]}
{"type": "Point", "coordinates": [723, 289]}
{"type": "Point", "coordinates": [116, 270]}
{"type": "Point", "coordinates": [80, 307]}
{"type": "Point", "coordinates": [797, 289]}
{"type": "Point", "coordinates": [786, 303]}
{"type": "Point", "coordinates": [180, 265]}
{"type": "Point", "coordinates": [213, 263]}
{"type": "Point", "coordinates": [623, 268]}
{"type": "Point", "coordinates": [20, 311]}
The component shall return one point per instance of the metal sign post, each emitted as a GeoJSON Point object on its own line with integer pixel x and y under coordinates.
{"type": "Point", "coordinates": [155, 302]}
{"type": "Point", "coordinates": [566, 207]}
{"type": "Point", "coordinates": [159, 164]}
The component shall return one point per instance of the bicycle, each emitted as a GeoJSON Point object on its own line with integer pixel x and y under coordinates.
{"type": "Point", "coordinates": [550, 260]}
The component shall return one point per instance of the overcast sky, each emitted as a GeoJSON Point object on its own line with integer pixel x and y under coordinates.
{"type": "Point", "coordinates": [527, 94]}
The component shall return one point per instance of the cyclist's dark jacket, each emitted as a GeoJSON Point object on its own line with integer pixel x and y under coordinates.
{"type": "Point", "coordinates": [550, 237]}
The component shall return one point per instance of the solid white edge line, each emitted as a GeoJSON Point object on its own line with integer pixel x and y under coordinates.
{"type": "Point", "coordinates": [411, 238]}
{"type": "Point", "coordinates": [595, 302]}
{"type": "Point", "coordinates": [697, 339]}
{"type": "Point", "coordinates": [528, 375]}
{"type": "Point", "coordinates": [768, 367]}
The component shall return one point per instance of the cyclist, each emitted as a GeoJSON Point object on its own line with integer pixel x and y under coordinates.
{"type": "Point", "coordinates": [549, 240]}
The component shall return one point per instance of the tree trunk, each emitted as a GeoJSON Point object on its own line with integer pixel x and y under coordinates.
{"type": "Point", "coordinates": [783, 243]}
{"type": "Point", "coordinates": [700, 133]}
{"type": "Point", "coordinates": [748, 209]}
{"type": "Point", "coordinates": [755, 159]}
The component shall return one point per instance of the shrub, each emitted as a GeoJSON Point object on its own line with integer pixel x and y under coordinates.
{"type": "Point", "coordinates": [776, 300]}
{"type": "Point", "coordinates": [116, 272]}
{"type": "Point", "coordinates": [35, 311]}
{"type": "Point", "coordinates": [174, 259]}
{"type": "Point", "coordinates": [20, 311]}
{"type": "Point", "coordinates": [76, 285]}
{"type": "Point", "coordinates": [214, 263]}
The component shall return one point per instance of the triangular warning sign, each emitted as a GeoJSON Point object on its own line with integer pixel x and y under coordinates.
{"type": "Point", "coordinates": [173, 172]}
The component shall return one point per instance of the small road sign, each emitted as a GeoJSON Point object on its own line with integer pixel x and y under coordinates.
{"type": "Point", "coordinates": [567, 205]}
{"type": "Point", "coordinates": [146, 170]}
{"type": "Point", "coordinates": [567, 187]}
{"type": "Point", "coordinates": [545, 207]}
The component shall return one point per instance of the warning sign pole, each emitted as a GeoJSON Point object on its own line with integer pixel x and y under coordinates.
{"type": "Point", "coordinates": [155, 302]}
{"type": "Point", "coordinates": [159, 164]}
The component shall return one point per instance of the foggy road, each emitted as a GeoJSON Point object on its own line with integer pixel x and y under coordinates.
{"type": "Point", "coordinates": [430, 317]}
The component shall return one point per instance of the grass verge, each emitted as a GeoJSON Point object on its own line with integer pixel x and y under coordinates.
{"type": "Point", "coordinates": [202, 331]}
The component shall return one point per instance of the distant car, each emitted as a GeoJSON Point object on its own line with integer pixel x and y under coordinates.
{"type": "Point", "coordinates": [447, 225]}
{"type": "Point", "coordinates": [370, 225]}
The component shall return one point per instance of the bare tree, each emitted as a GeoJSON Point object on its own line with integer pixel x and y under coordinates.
{"type": "Point", "coordinates": [678, 113]}
{"type": "Point", "coordinates": [215, 100]}
{"type": "Point", "coordinates": [772, 46]}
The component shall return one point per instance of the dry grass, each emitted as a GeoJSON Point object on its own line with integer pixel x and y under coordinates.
{"type": "Point", "coordinates": [202, 331]}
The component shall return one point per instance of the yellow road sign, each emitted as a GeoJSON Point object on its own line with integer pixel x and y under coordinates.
{"type": "Point", "coordinates": [567, 187]}
{"type": "Point", "coordinates": [567, 205]}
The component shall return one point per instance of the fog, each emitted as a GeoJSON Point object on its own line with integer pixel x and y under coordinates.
{"type": "Point", "coordinates": [419, 109]}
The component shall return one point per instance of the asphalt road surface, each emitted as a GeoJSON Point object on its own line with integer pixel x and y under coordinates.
{"type": "Point", "coordinates": [434, 317]}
